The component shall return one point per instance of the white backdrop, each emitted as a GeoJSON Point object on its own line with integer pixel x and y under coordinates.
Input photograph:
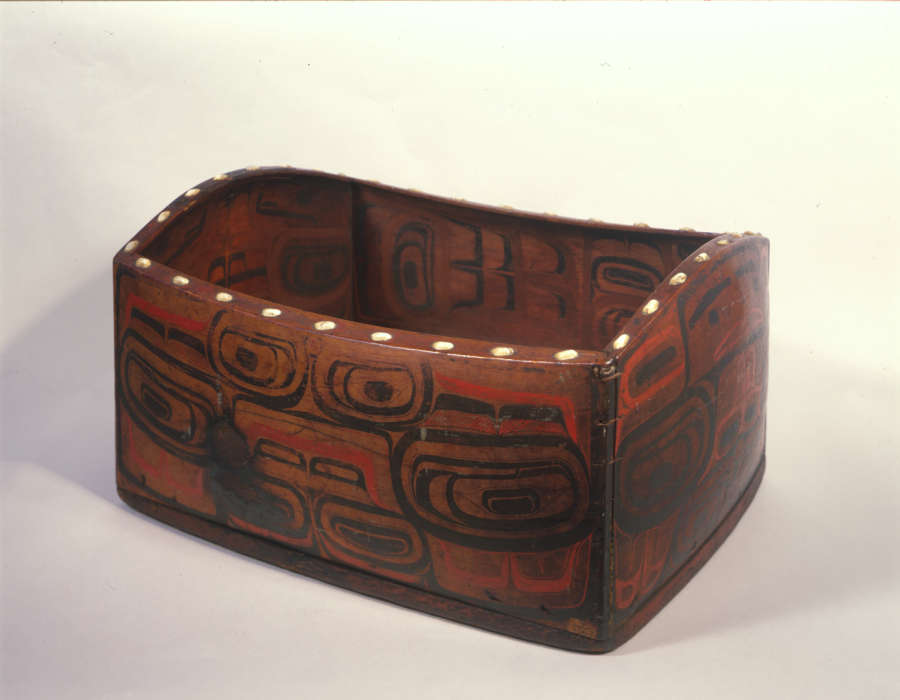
{"type": "Point", "coordinates": [783, 119]}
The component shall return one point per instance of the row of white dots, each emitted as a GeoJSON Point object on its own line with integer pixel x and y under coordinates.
{"type": "Point", "coordinates": [190, 194]}
{"type": "Point", "coordinates": [193, 192]}
{"type": "Point", "coordinates": [619, 343]}
{"type": "Point", "coordinates": [679, 278]}
{"type": "Point", "coordinates": [377, 336]}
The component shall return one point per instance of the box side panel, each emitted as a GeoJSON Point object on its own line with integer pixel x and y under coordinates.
{"type": "Point", "coordinates": [690, 426]}
{"type": "Point", "coordinates": [470, 478]}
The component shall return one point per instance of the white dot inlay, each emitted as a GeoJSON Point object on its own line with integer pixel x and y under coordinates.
{"type": "Point", "coordinates": [502, 351]}
{"type": "Point", "coordinates": [621, 341]}
{"type": "Point", "coordinates": [224, 296]}
{"type": "Point", "coordinates": [442, 345]}
{"type": "Point", "coordinates": [270, 312]}
{"type": "Point", "coordinates": [163, 215]}
{"type": "Point", "coordinates": [324, 325]}
{"type": "Point", "coordinates": [650, 307]}
{"type": "Point", "coordinates": [180, 280]}
{"type": "Point", "coordinates": [131, 245]}
{"type": "Point", "coordinates": [566, 354]}
{"type": "Point", "coordinates": [678, 278]}
{"type": "Point", "coordinates": [381, 336]}
{"type": "Point", "coordinates": [142, 262]}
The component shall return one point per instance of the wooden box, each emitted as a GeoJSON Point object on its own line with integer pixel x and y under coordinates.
{"type": "Point", "coordinates": [534, 425]}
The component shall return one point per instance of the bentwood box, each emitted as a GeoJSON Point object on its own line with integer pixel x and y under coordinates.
{"type": "Point", "coordinates": [530, 424]}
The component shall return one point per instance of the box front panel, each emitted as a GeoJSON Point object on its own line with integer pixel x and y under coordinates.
{"type": "Point", "coordinates": [468, 477]}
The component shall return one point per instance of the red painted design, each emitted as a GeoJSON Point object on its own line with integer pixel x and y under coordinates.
{"type": "Point", "coordinates": [183, 322]}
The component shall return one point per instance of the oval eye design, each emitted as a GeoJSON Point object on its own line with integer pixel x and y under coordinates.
{"type": "Point", "coordinates": [256, 361]}
{"type": "Point", "coordinates": [355, 531]}
{"type": "Point", "coordinates": [511, 501]}
{"type": "Point", "coordinates": [155, 394]}
{"type": "Point", "coordinates": [532, 494]}
{"type": "Point", "coordinates": [377, 392]}
{"type": "Point", "coordinates": [411, 265]}
{"type": "Point", "coordinates": [611, 273]}
{"type": "Point", "coordinates": [273, 369]}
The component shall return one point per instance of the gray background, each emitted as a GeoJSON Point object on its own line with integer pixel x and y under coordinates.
{"type": "Point", "coordinates": [781, 119]}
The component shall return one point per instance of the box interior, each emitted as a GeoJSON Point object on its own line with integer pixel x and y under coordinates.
{"type": "Point", "coordinates": [365, 253]}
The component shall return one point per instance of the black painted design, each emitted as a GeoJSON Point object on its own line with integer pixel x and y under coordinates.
{"type": "Point", "coordinates": [644, 373]}
{"type": "Point", "coordinates": [456, 494]}
{"type": "Point", "coordinates": [294, 208]}
{"type": "Point", "coordinates": [453, 402]}
{"type": "Point", "coordinates": [472, 267]}
{"type": "Point", "coordinates": [611, 272]}
{"type": "Point", "coordinates": [241, 491]}
{"type": "Point", "coordinates": [149, 321]}
{"type": "Point", "coordinates": [706, 301]}
{"type": "Point", "coordinates": [376, 394]}
{"type": "Point", "coordinates": [269, 449]}
{"type": "Point", "coordinates": [662, 460]}
{"type": "Point", "coordinates": [154, 392]}
{"type": "Point", "coordinates": [271, 369]}
{"type": "Point", "coordinates": [311, 270]}
{"type": "Point", "coordinates": [413, 265]}
{"type": "Point", "coordinates": [337, 470]}
{"type": "Point", "coordinates": [231, 269]}
{"type": "Point", "coordinates": [369, 534]}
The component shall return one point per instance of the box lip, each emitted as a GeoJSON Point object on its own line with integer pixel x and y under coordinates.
{"type": "Point", "coordinates": [298, 319]}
